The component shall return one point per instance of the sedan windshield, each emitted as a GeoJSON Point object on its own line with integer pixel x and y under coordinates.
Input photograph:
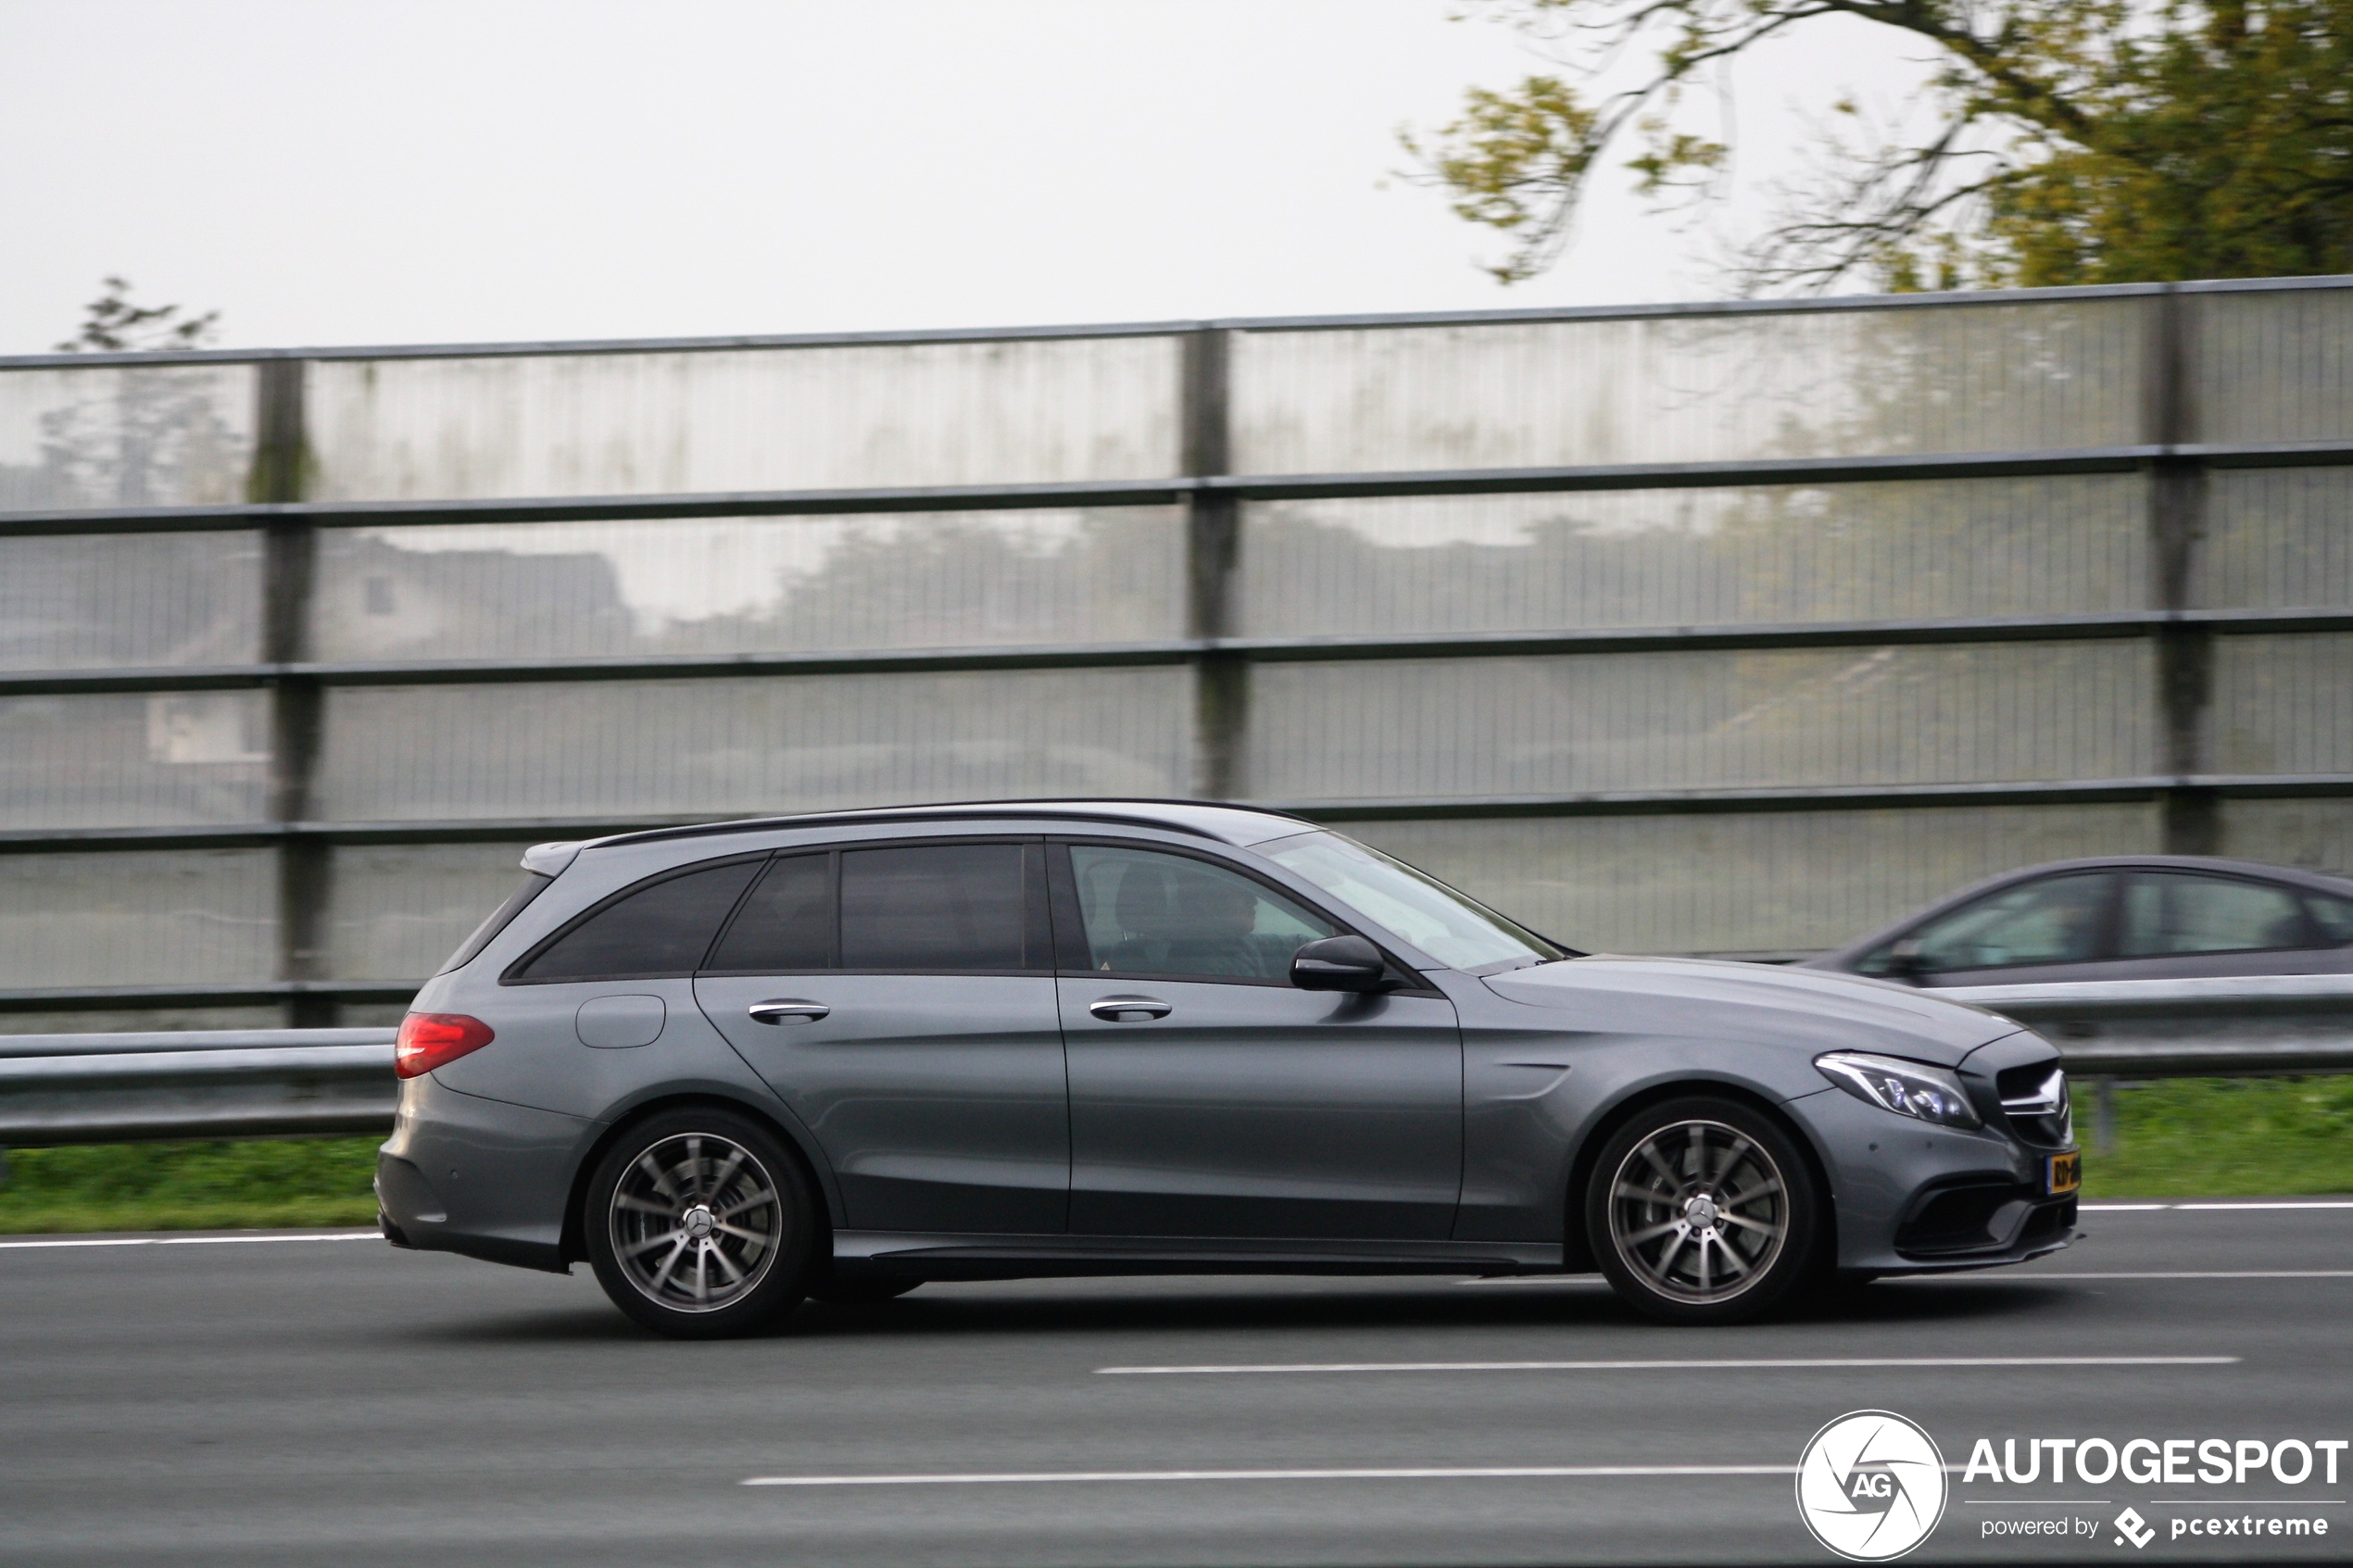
{"type": "Point", "coordinates": [1451, 927]}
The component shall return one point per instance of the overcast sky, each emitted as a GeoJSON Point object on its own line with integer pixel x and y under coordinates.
{"type": "Point", "coordinates": [412, 170]}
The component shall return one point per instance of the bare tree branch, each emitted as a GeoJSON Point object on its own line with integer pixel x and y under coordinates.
{"type": "Point", "coordinates": [2071, 140]}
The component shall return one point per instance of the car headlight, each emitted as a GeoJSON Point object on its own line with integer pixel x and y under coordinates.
{"type": "Point", "coordinates": [1929, 1094]}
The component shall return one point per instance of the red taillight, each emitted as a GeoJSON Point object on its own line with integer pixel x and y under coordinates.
{"type": "Point", "coordinates": [435, 1039]}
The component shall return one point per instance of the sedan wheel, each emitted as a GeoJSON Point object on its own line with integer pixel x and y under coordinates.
{"type": "Point", "coordinates": [699, 1226]}
{"type": "Point", "coordinates": [1702, 1211]}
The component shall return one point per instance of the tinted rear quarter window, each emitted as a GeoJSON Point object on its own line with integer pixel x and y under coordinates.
{"type": "Point", "coordinates": [661, 928]}
{"type": "Point", "coordinates": [933, 908]}
{"type": "Point", "coordinates": [787, 923]}
{"type": "Point", "coordinates": [533, 885]}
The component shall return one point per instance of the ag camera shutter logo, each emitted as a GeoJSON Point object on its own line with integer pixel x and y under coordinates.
{"type": "Point", "coordinates": [1870, 1485]}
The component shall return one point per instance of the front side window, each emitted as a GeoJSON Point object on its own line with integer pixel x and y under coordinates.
{"type": "Point", "coordinates": [2175, 912]}
{"type": "Point", "coordinates": [2059, 920]}
{"type": "Point", "coordinates": [662, 928]}
{"type": "Point", "coordinates": [933, 908]}
{"type": "Point", "coordinates": [1451, 927]}
{"type": "Point", "coordinates": [1172, 915]}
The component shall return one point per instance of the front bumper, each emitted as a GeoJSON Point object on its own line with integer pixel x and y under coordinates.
{"type": "Point", "coordinates": [1915, 1199]}
{"type": "Point", "coordinates": [1966, 1224]}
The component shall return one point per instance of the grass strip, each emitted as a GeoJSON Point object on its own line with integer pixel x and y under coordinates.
{"type": "Point", "coordinates": [2222, 1137]}
{"type": "Point", "coordinates": [2192, 1138]}
{"type": "Point", "coordinates": [258, 1182]}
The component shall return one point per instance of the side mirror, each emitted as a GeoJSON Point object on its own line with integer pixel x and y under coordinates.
{"type": "Point", "coordinates": [1338, 963]}
{"type": "Point", "coordinates": [1908, 961]}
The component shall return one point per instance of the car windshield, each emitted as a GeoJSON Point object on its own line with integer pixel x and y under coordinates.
{"type": "Point", "coordinates": [1451, 927]}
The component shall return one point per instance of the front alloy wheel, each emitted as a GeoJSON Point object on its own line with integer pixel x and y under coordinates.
{"type": "Point", "coordinates": [1702, 1211]}
{"type": "Point", "coordinates": [699, 1226]}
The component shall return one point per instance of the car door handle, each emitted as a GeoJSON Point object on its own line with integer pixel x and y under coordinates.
{"type": "Point", "coordinates": [1129, 1009]}
{"type": "Point", "coordinates": [787, 1010]}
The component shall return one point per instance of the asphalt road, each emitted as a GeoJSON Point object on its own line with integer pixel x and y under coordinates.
{"type": "Point", "coordinates": [333, 1401]}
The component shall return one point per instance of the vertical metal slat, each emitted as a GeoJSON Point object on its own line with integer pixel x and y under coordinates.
{"type": "Point", "coordinates": [1213, 539]}
{"type": "Point", "coordinates": [289, 556]}
{"type": "Point", "coordinates": [2190, 819]}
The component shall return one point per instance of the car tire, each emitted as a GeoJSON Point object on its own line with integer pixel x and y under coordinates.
{"type": "Point", "coordinates": [701, 1225]}
{"type": "Point", "coordinates": [1702, 1211]}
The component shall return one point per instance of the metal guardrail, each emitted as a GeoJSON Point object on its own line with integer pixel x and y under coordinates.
{"type": "Point", "coordinates": [200, 1083]}
{"type": "Point", "coordinates": [264, 1082]}
{"type": "Point", "coordinates": [2235, 1027]}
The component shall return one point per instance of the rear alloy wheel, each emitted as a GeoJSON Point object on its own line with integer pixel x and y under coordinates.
{"type": "Point", "coordinates": [1701, 1211]}
{"type": "Point", "coordinates": [701, 1226]}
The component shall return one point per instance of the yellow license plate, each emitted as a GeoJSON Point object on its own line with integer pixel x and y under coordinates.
{"type": "Point", "coordinates": [2062, 1173]}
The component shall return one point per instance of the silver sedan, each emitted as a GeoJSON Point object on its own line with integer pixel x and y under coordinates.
{"type": "Point", "coordinates": [2141, 917]}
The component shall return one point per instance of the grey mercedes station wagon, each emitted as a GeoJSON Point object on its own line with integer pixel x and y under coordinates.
{"type": "Point", "coordinates": [840, 1055]}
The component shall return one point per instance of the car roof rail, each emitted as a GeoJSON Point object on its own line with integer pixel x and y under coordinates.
{"type": "Point", "coordinates": [1063, 809]}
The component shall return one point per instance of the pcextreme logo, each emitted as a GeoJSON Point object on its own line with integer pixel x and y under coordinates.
{"type": "Point", "coordinates": [1870, 1485]}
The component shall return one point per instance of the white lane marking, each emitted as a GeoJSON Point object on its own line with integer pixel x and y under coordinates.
{"type": "Point", "coordinates": [2119, 1208]}
{"type": "Point", "coordinates": [1996, 1277]}
{"type": "Point", "coordinates": [1432, 1474]}
{"type": "Point", "coordinates": [188, 1240]}
{"type": "Point", "coordinates": [2234, 1204]}
{"type": "Point", "coordinates": [2061, 1275]}
{"type": "Point", "coordinates": [219, 1240]}
{"type": "Point", "coordinates": [2297, 1205]}
{"type": "Point", "coordinates": [1784, 1364]}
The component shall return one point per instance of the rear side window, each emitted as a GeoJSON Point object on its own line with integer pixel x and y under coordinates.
{"type": "Point", "coordinates": [934, 908]}
{"type": "Point", "coordinates": [2175, 912]}
{"type": "Point", "coordinates": [500, 918]}
{"type": "Point", "coordinates": [662, 928]}
{"type": "Point", "coordinates": [787, 923]}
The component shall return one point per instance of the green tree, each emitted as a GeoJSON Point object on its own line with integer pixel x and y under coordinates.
{"type": "Point", "coordinates": [139, 435]}
{"type": "Point", "coordinates": [111, 324]}
{"type": "Point", "coordinates": [2059, 140]}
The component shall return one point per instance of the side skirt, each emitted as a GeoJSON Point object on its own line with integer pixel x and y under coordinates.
{"type": "Point", "coordinates": [919, 1254]}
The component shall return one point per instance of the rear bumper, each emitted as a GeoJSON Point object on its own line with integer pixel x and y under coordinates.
{"type": "Point", "coordinates": [477, 1176]}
